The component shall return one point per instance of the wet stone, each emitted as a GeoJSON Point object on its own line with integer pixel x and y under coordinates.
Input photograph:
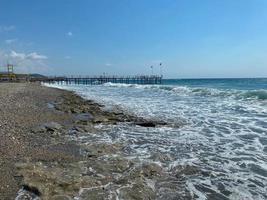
{"type": "Point", "coordinates": [146, 124]}
{"type": "Point", "coordinates": [160, 157]}
{"type": "Point", "coordinates": [52, 126]}
{"type": "Point", "coordinates": [148, 170]}
{"type": "Point", "coordinates": [186, 170]}
{"type": "Point", "coordinates": [151, 170]}
{"type": "Point", "coordinates": [136, 192]}
{"type": "Point", "coordinates": [111, 166]}
{"type": "Point", "coordinates": [103, 149]}
{"type": "Point", "coordinates": [98, 194]}
{"type": "Point", "coordinates": [170, 188]}
{"type": "Point", "coordinates": [84, 117]}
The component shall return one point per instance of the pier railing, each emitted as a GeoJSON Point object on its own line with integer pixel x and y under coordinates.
{"type": "Point", "coordinates": [96, 80]}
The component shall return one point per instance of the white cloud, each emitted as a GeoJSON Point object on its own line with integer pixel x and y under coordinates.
{"type": "Point", "coordinates": [16, 55]}
{"type": "Point", "coordinates": [10, 41]}
{"type": "Point", "coordinates": [36, 56]}
{"type": "Point", "coordinates": [25, 63]}
{"type": "Point", "coordinates": [69, 34]}
{"type": "Point", "coordinates": [30, 56]}
{"type": "Point", "coordinates": [7, 28]}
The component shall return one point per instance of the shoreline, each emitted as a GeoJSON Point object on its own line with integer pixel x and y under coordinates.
{"type": "Point", "coordinates": [39, 159]}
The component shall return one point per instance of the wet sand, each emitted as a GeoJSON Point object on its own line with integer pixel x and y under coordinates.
{"type": "Point", "coordinates": [39, 160]}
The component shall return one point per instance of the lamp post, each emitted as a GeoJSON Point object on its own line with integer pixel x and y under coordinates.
{"type": "Point", "coordinates": [160, 69]}
{"type": "Point", "coordinates": [152, 70]}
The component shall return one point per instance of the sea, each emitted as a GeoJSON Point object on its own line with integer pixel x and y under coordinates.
{"type": "Point", "coordinates": [218, 126]}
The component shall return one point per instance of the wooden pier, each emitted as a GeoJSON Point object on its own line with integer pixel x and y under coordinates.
{"type": "Point", "coordinates": [97, 80]}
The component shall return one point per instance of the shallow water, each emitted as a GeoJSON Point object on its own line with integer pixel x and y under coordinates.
{"type": "Point", "coordinates": [217, 125]}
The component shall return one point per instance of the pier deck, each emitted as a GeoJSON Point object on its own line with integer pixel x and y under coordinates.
{"type": "Point", "coordinates": [153, 79]}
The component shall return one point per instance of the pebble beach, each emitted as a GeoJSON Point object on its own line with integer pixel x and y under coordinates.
{"type": "Point", "coordinates": [40, 160]}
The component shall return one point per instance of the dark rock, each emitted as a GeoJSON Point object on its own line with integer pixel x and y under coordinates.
{"type": "Point", "coordinates": [31, 189]}
{"type": "Point", "coordinates": [26, 195]}
{"type": "Point", "coordinates": [52, 126]}
{"type": "Point", "coordinates": [146, 124]}
{"type": "Point", "coordinates": [252, 186]}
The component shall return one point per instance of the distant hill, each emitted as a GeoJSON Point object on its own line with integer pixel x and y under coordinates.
{"type": "Point", "coordinates": [37, 76]}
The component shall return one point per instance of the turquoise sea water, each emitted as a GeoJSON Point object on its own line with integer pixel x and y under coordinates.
{"type": "Point", "coordinates": [231, 83]}
{"type": "Point", "coordinates": [216, 125]}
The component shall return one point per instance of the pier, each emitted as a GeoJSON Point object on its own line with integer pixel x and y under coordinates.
{"type": "Point", "coordinates": [97, 80]}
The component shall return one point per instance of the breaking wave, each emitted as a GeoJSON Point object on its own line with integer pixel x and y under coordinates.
{"type": "Point", "coordinates": [200, 91]}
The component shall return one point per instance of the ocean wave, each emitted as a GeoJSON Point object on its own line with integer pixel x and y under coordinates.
{"type": "Point", "coordinates": [259, 94]}
{"type": "Point", "coordinates": [185, 90]}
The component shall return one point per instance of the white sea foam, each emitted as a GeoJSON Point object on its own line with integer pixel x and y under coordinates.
{"type": "Point", "coordinates": [223, 132]}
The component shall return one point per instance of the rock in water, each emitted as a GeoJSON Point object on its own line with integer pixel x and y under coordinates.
{"type": "Point", "coordinates": [146, 124]}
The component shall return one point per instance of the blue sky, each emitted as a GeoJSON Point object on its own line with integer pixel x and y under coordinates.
{"type": "Point", "coordinates": [192, 38]}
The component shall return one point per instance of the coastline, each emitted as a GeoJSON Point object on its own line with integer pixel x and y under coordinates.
{"type": "Point", "coordinates": [40, 160]}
